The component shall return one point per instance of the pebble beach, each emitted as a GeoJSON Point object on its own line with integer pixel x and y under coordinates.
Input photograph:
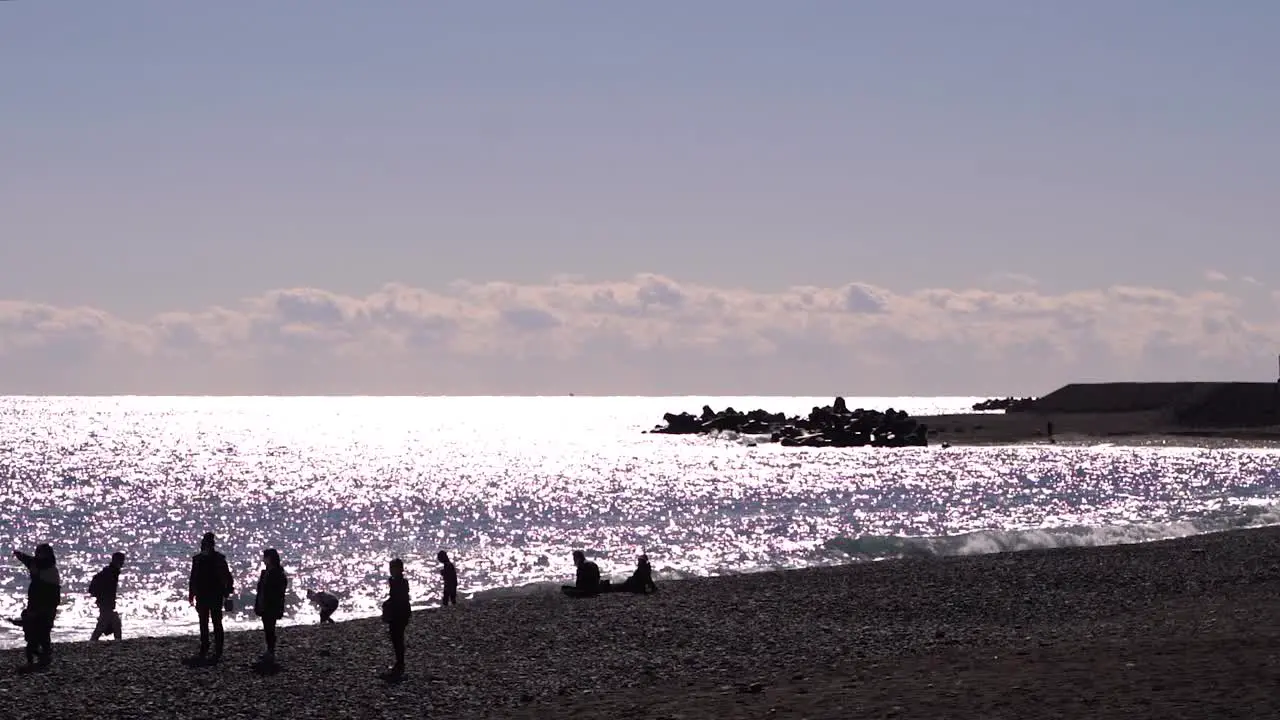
{"type": "Point", "coordinates": [1173, 629]}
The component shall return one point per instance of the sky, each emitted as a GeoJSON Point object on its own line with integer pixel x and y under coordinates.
{"type": "Point", "coordinates": [877, 197]}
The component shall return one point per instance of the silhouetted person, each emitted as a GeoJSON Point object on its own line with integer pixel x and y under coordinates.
{"type": "Point", "coordinates": [269, 604]}
{"type": "Point", "coordinates": [44, 594]}
{"type": "Point", "coordinates": [395, 613]}
{"type": "Point", "coordinates": [103, 587]}
{"type": "Point", "coordinates": [641, 581]}
{"type": "Point", "coordinates": [587, 579]}
{"type": "Point", "coordinates": [327, 603]}
{"type": "Point", "coordinates": [209, 587]}
{"type": "Point", "coordinates": [448, 573]}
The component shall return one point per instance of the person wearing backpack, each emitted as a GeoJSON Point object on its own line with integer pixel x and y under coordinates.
{"type": "Point", "coordinates": [103, 588]}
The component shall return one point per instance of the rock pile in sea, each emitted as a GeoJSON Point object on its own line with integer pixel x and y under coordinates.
{"type": "Point", "coordinates": [834, 425]}
{"type": "Point", "coordinates": [1008, 404]}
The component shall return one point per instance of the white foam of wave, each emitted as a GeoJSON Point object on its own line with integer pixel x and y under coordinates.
{"type": "Point", "coordinates": [875, 547]}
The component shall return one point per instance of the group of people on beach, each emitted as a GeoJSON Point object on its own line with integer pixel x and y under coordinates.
{"type": "Point", "coordinates": [211, 585]}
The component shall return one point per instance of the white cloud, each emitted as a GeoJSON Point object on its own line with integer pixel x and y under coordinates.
{"type": "Point", "coordinates": [646, 335]}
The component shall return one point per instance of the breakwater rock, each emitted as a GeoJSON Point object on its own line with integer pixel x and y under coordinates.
{"type": "Point", "coordinates": [834, 425]}
{"type": "Point", "coordinates": [1009, 404]}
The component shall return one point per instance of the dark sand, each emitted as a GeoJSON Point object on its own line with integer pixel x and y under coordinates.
{"type": "Point", "coordinates": [1179, 629]}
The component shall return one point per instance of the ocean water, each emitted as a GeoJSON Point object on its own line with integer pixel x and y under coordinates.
{"type": "Point", "coordinates": [510, 486]}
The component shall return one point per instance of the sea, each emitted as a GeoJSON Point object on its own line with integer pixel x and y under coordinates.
{"type": "Point", "coordinates": [510, 486]}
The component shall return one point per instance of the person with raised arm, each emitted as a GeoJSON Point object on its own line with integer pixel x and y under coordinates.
{"type": "Point", "coordinates": [44, 595]}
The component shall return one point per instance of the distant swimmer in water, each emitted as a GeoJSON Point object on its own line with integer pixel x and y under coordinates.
{"type": "Point", "coordinates": [327, 603]}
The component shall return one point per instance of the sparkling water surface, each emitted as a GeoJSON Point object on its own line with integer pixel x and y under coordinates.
{"type": "Point", "coordinates": [510, 486]}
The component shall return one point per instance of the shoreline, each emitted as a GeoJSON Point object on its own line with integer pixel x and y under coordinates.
{"type": "Point", "coordinates": [1141, 428]}
{"type": "Point", "coordinates": [1188, 623]}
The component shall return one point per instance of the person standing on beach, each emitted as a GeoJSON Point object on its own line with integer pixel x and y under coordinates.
{"type": "Point", "coordinates": [327, 603]}
{"type": "Point", "coordinates": [209, 586]}
{"type": "Point", "coordinates": [269, 604]}
{"type": "Point", "coordinates": [449, 573]}
{"type": "Point", "coordinates": [396, 614]}
{"type": "Point", "coordinates": [103, 588]}
{"type": "Point", "coordinates": [44, 595]}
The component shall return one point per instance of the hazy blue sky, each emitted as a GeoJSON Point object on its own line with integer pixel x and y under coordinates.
{"type": "Point", "coordinates": [169, 157]}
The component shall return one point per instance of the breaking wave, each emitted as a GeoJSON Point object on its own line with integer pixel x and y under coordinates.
{"type": "Point", "coordinates": [982, 542]}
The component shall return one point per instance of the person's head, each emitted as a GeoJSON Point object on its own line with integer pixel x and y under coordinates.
{"type": "Point", "coordinates": [644, 560]}
{"type": "Point", "coordinates": [117, 560]}
{"type": "Point", "coordinates": [44, 555]}
{"type": "Point", "coordinates": [207, 543]}
{"type": "Point", "coordinates": [579, 557]}
{"type": "Point", "coordinates": [442, 556]}
{"type": "Point", "coordinates": [397, 567]}
{"type": "Point", "coordinates": [311, 594]}
{"type": "Point", "coordinates": [271, 557]}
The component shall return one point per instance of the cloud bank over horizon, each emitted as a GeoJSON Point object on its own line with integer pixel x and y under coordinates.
{"type": "Point", "coordinates": [649, 335]}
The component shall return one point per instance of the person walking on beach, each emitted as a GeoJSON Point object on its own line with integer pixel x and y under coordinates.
{"type": "Point", "coordinates": [103, 588]}
{"type": "Point", "coordinates": [396, 614]}
{"type": "Point", "coordinates": [44, 595]}
{"type": "Point", "coordinates": [209, 586]}
{"type": "Point", "coordinates": [269, 604]}
{"type": "Point", "coordinates": [327, 603]}
{"type": "Point", "coordinates": [448, 573]}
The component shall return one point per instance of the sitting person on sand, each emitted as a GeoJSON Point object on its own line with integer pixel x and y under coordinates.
{"type": "Point", "coordinates": [587, 580]}
{"type": "Point", "coordinates": [641, 581]}
{"type": "Point", "coordinates": [44, 594]}
{"type": "Point", "coordinates": [396, 613]}
{"type": "Point", "coordinates": [327, 603]}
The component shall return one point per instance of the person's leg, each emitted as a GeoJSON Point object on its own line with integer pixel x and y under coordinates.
{"type": "Point", "coordinates": [30, 635]}
{"type": "Point", "coordinates": [326, 615]}
{"type": "Point", "coordinates": [104, 620]}
{"type": "Point", "coordinates": [269, 630]}
{"type": "Point", "coordinates": [46, 640]}
{"type": "Point", "coordinates": [397, 642]}
{"type": "Point", "coordinates": [203, 611]}
{"type": "Point", "coordinates": [117, 630]}
{"type": "Point", "coordinates": [215, 614]}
